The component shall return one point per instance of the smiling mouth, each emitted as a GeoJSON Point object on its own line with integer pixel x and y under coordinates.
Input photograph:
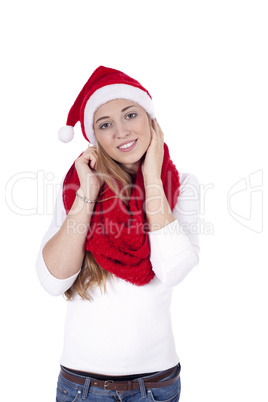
{"type": "Point", "coordinates": [128, 145]}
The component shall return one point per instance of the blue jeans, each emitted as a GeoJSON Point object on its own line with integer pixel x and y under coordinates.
{"type": "Point", "coordinates": [71, 392]}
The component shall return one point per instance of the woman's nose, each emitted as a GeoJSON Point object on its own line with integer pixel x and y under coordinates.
{"type": "Point", "coordinates": [121, 131]}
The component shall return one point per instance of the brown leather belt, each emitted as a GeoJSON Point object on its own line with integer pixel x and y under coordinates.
{"type": "Point", "coordinates": [110, 385]}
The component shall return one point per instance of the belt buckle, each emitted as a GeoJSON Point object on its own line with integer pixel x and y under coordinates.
{"type": "Point", "coordinates": [106, 383]}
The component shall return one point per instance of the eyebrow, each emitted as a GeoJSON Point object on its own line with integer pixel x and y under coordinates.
{"type": "Point", "coordinates": [107, 117]}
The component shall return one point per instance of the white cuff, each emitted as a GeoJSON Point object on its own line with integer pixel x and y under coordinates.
{"type": "Point", "coordinates": [172, 254]}
{"type": "Point", "coordinates": [50, 283]}
{"type": "Point", "coordinates": [168, 241]}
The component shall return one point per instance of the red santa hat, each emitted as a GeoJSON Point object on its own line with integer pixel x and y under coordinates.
{"type": "Point", "coordinates": [104, 85]}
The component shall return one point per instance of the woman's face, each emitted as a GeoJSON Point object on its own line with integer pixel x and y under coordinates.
{"type": "Point", "coordinates": [124, 131]}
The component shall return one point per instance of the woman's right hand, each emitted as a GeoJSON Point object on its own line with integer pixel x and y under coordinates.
{"type": "Point", "coordinates": [90, 180]}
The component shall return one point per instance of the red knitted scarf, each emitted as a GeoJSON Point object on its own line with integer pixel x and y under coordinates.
{"type": "Point", "coordinates": [118, 234]}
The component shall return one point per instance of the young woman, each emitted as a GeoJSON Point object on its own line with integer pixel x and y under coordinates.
{"type": "Point", "coordinates": [120, 240]}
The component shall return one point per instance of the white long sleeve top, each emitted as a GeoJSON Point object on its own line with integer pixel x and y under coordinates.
{"type": "Point", "coordinates": [128, 329]}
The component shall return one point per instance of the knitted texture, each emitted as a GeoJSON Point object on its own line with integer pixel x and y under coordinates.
{"type": "Point", "coordinates": [118, 234]}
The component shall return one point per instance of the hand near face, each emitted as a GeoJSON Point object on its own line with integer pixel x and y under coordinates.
{"type": "Point", "coordinates": [153, 161]}
{"type": "Point", "coordinates": [86, 167]}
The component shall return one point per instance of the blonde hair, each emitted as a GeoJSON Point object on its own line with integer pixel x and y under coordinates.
{"type": "Point", "coordinates": [92, 274]}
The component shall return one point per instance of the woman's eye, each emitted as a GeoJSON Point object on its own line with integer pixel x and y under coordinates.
{"type": "Point", "coordinates": [104, 125]}
{"type": "Point", "coordinates": [131, 115]}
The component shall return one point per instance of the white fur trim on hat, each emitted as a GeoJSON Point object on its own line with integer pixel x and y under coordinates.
{"type": "Point", "coordinates": [111, 92]}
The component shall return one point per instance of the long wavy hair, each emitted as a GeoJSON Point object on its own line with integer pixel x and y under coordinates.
{"type": "Point", "coordinates": [92, 274]}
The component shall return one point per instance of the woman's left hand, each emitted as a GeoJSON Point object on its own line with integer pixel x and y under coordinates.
{"type": "Point", "coordinates": [153, 161]}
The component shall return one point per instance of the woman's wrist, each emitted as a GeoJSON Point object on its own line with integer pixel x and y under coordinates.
{"type": "Point", "coordinates": [81, 206]}
{"type": "Point", "coordinates": [152, 181]}
{"type": "Point", "coordinates": [91, 194]}
{"type": "Point", "coordinates": [85, 199]}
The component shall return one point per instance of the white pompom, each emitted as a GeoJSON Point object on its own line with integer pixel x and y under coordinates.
{"type": "Point", "coordinates": [66, 134]}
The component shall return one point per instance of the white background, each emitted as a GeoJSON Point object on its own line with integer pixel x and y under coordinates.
{"type": "Point", "coordinates": [205, 64]}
